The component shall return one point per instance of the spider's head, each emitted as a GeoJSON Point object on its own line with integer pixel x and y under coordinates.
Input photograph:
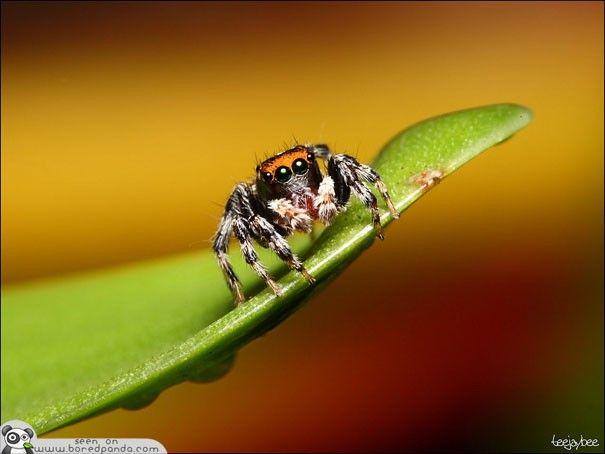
{"type": "Point", "coordinates": [292, 171]}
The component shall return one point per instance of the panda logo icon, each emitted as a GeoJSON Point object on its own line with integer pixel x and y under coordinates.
{"type": "Point", "coordinates": [17, 440]}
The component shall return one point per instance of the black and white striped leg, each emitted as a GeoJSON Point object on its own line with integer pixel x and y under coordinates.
{"type": "Point", "coordinates": [241, 230]}
{"type": "Point", "coordinates": [242, 219]}
{"type": "Point", "coordinates": [221, 247]}
{"type": "Point", "coordinates": [371, 176]}
{"type": "Point", "coordinates": [362, 171]}
{"type": "Point", "coordinates": [238, 210]}
{"type": "Point", "coordinates": [348, 175]}
{"type": "Point", "coordinates": [266, 233]}
{"type": "Point", "coordinates": [369, 200]}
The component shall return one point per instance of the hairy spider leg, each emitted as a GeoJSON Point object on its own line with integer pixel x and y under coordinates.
{"type": "Point", "coordinates": [347, 175]}
{"type": "Point", "coordinates": [241, 220]}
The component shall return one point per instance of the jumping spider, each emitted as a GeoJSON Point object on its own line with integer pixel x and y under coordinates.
{"type": "Point", "coordinates": [290, 193]}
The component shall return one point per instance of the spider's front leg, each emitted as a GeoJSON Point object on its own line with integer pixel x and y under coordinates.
{"type": "Point", "coordinates": [235, 221]}
{"type": "Point", "coordinates": [346, 174]}
{"type": "Point", "coordinates": [244, 217]}
{"type": "Point", "coordinates": [266, 233]}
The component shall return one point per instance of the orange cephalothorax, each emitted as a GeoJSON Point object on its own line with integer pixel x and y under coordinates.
{"type": "Point", "coordinates": [281, 167]}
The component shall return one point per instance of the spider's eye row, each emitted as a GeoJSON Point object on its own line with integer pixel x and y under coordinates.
{"type": "Point", "coordinates": [300, 167]}
{"type": "Point", "coordinates": [283, 174]}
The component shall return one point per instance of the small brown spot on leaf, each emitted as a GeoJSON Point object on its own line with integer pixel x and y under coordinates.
{"type": "Point", "coordinates": [427, 178]}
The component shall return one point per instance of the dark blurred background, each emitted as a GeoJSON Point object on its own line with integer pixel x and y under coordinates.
{"type": "Point", "coordinates": [477, 324]}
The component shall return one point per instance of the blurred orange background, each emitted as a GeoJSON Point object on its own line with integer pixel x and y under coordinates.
{"type": "Point", "coordinates": [477, 324]}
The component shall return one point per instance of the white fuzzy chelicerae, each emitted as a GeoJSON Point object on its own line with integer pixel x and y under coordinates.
{"type": "Point", "coordinates": [298, 218]}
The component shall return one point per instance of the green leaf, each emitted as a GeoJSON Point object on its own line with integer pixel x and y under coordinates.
{"type": "Point", "coordinates": [81, 345]}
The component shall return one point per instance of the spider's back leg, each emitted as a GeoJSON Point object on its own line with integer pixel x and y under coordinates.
{"type": "Point", "coordinates": [371, 176]}
{"type": "Point", "coordinates": [347, 175]}
{"type": "Point", "coordinates": [369, 200]}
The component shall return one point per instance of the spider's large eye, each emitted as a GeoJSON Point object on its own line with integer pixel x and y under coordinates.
{"type": "Point", "coordinates": [300, 166]}
{"type": "Point", "coordinates": [283, 174]}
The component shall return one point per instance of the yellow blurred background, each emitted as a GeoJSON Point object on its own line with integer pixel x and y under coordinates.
{"type": "Point", "coordinates": [125, 125]}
